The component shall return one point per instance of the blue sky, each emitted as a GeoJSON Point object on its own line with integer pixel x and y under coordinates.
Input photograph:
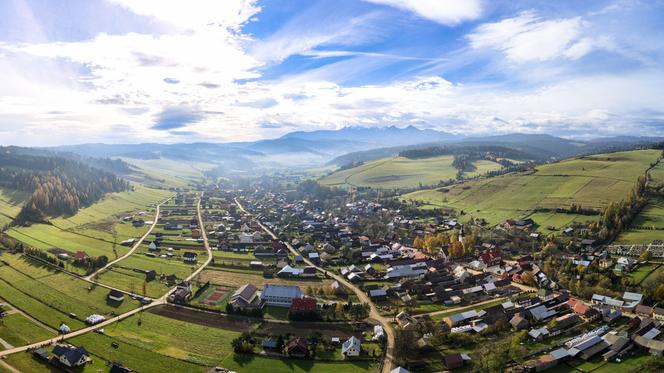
{"type": "Point", "coordinates": [78, 71]}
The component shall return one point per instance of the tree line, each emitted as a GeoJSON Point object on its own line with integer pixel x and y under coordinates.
{"type": "Point", "coordinates": [57, 186]}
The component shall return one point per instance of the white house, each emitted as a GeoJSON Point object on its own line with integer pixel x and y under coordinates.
{"type": "Point", "coordinates": [246, 237]}
{"type": "Point", "coordinates": [351, 348]}
{"type": "Point", "coordinates": [71, 356]}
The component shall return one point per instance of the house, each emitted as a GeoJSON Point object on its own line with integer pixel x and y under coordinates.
{"type": "Point", "coordinates": [298, 347]}
{"type": "Point", "coordinates": [190, 257]}
{"type": "Point", "coordinates": [269, 344]}
{"type": "Point", "coordinates": [71, 356]}
{"type": "Point", "coordinates": [196, 233]}
{"type": "Point", "coordinates": [152, 247]}
{"type": "Point", "coordinates": [658, 314]}
{"type": "Point", "coordinates": [351, 348]}
{"type": "Point", "coordinates": [455, 361]}
{"type": "Point", "coordinates": [378, 294]}
{"type": "Point", "coordinates": [41, 353]}
{"type": "Point", "coordinates": [246, 237]}
{"type": "Point", "coordinates": [399, 370]}
{"type": "Point", "coordinates": [288, 271]}
{"type": "Point", "coordinates": [280, 295]}
{"type": "Point", "coordinates": [182, 292]}
{"type": "Point", "coordinates": [246, 297]}
{"type": "Point", "coordinates": [314, 257]}
{"type": "Point", "coordinates": [519, 322]}
{"type": "Point", "coordinates": [304, 304]}
{"type": "Point", "coordinates": [405, 321]}
{"type": "Point", "coordinates": [115, 295]}
{"type": "Point", "coordinates": [378, 333]}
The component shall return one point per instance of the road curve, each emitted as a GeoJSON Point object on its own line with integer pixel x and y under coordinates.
{"type": "Point", "coordinates": [362, 296]}
{"type": "Point", "coordinates": [157, 302]}
{"type": "Point", "coordinates": [136, 245]}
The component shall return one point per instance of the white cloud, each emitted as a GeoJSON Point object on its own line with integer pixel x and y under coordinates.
{"type": "Point", "coordinates": [528, 37]}
{"type": "Point", "coordinates": [195, 14]}
{"type": "Point", "coordinates": [446, 12]}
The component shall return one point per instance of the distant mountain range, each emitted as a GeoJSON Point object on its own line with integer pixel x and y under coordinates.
{"type": "Point", "coordinates": [343, 146]}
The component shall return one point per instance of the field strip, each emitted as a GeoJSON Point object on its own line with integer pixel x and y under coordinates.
{"type": "Point", "coordinates": [32, 319]}
{"type": "Point", "coordinates": [136, 245]}
{"type": "Point", "coordinates": [5, 344]}
{"type": "Point", "coordinates": [346, 180]}
{"type": "Point", "coordinates": [9, 368]}
{"type": "Point", "coordinates": [156, 302]}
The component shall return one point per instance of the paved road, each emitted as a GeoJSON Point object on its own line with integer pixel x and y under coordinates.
{"type": "Point", "coordinates": [136, 245]}
{"type": "Point", "coordinates": [160, 301]}
{"type": "Point", "coordinates": [363, 297]}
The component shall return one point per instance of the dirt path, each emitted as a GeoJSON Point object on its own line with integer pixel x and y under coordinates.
{"type": "Point", "coordinates": [136, 245]}
{"type": "Point", "coordinates": [8, 368]}
{"type": "Point", "coordinates": [157, 302]}
{"type": "Point", "coordinates": [363, 297]}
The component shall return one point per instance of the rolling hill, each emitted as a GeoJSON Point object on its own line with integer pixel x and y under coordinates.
{"type": "Point", "coordinates": [401, 172]}
{"type": "Point", "coordinates": [590, 181]}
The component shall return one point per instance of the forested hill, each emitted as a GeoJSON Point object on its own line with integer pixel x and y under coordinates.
{"type": "Point", "coordinates": [58, 186]}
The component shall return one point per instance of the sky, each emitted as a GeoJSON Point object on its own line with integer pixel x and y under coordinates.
{"type": "Point", "coordinates": [130, 71]}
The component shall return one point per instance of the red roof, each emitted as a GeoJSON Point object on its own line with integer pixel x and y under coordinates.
{"type": "Point", "coordinates": [304, 304]}
{"type": "Point", "coordinates": [491, 256]}
{"type": "Point", "coordinates": [80, 255]}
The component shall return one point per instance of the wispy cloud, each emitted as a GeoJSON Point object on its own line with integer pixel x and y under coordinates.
{"type": "Point", "coordinates": [446, 12]}
{"type": "Point", "coordinates": [176, 117]}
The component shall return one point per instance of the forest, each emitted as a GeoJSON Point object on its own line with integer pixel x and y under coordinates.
{"type": "Point", "coordinates": [58, 186]}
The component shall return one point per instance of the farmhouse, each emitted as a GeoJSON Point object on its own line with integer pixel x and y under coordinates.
{"type": "Point", "coordinates": [71, 356]}
{"type": "Point", "coordinates": [190, 257]}
{"type": "Point", "coordinates": [116, 295]}
{"type": "Point", "coordinates": [351, 348]}
{"type": "Point", "coordinates": [246, 297]}
{"type": "Point", "coordinates": [280, 295]}
{"type": "Point", "coordinates": [298, 347]}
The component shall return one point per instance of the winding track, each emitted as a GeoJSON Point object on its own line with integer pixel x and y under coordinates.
{"type": "Point", "coordinates": [136, 245]}
{"type": "Point", "coordinates": [388, 363]}
{"type": "Point", "coordinates": [157, 302]}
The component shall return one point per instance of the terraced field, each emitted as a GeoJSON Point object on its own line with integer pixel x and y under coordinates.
{"type": "Point", "coordinates": [400, 172]}
{"type": "Point", "coordinates": [160, 344]}
{"type": "Point", "coordinates": [591, 182]}
{"type": "Point", "coordinates": [97, 229]}
{"type": "Point", "coordinates": [51, 296]}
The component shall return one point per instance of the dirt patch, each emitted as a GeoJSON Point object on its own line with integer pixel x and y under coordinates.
{"type": "Point", "coordinates": [232, 323]}
{"type": "Point", "coordinates": [237, 279]}
{"type": "Point", "coordinates": [342, 331]}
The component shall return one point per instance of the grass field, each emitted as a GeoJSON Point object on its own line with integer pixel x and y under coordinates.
{"type": "Point", "coordinates": [649, 224]}
{"type": "Point", "coordinates": [51, 296]}
{"type": "Point", "coordinates": [11, 202]}
{"type": "Point", "coordinates": [18, 330]}
{"type": "Point", "coordinates": [400, 172]}
{"type": "Point", "coordinates": [97, 229]}
{"type": "Point", "coordinates": [591, 182]}
{"type": "Point", "coordinates": [152, 343]}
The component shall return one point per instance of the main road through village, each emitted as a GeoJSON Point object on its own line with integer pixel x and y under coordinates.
{"type": "Point", "coordinates": [363, 297]}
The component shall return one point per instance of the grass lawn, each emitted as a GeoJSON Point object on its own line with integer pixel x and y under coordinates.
{"type": "Point", "coordinates": [253, 363]}
{"type": "Point", "coordinates": [643, 272]}
{"type": "Point", "coordinates": [278, 313]}
{"type": "Point", "coordinates": [592, 182]}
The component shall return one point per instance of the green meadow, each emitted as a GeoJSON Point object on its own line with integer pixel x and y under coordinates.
{"type": "Point", "coordinates": [591, 182]}
{"type": "Point", "coordinates": [400, 172]}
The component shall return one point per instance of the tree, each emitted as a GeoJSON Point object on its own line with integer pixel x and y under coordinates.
{"type": "Point", "coordinates": [405, 345]}
{"type": "Point", "coordinates": [528, 278]}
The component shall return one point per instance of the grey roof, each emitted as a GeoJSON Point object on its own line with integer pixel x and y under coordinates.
{"type": "Point", "coordinates": [350, 343]}
{"type": "Point", "coordinates": [559, 353]}
{"type": "Point", "coordinates": [288, 291]}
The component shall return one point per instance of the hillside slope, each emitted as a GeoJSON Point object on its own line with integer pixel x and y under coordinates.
{"type": "Point", "coordinates": [401, 172]}
{"type": "Point", "coordinates": [591, 182]}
